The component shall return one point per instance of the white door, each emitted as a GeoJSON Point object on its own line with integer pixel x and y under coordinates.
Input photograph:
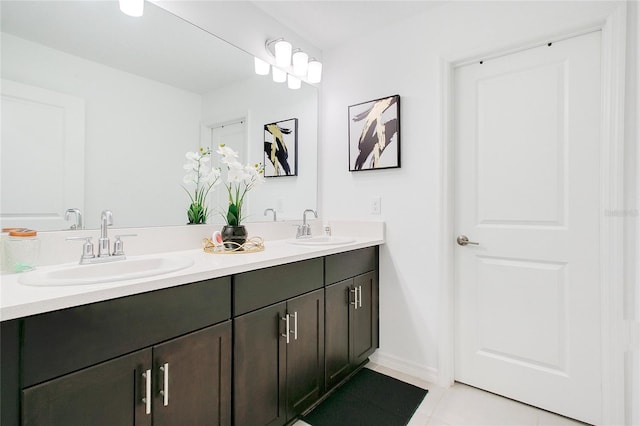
{"type": "Point", "coordinates": [526, 189]}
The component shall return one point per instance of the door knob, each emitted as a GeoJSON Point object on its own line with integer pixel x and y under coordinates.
{"type": "Point", "coordinates": [463, 241]}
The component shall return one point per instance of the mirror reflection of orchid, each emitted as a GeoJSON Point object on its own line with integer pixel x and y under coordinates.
{"type": "Point", "coordinates": [240, 180]}
{"type": "Point", "coordinates": [201, 174]}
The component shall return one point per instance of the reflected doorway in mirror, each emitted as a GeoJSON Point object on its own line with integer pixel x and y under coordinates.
{"type": "Point", "coordinates": [281, 148]}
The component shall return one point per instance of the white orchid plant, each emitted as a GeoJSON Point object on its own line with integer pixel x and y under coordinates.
{"type": "Point", "coordinates": [204, 176]}
{"type": "Point", "coordinates": [240, 180]}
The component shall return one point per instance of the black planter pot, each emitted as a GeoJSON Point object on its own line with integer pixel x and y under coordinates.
{"type": "Point", "coordinates": [233, 234]}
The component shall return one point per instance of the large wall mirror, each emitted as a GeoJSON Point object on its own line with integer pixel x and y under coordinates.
{"type": "Point", "coordinates": [99, 109]}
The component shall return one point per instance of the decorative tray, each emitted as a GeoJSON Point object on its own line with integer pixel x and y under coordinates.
{"type": "Point", "coordinates": [252, 245]}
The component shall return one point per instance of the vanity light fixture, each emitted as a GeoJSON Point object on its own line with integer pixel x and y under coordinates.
{"type": "Point", "coordinates": [133, 8]}
{"type": "Point", "coordinates": [300, 62]}
{"type": "Point", "coordinates": [293, 82]}
{"type": "Point", "coordinates": [295, 63]}
{"type": "Point", "coordinates": [283, 53]}
{"type": "Point", "coordinates": [314, 75]}
{"type": "Point", "coordinates": [261, 67]}
{"type": "Point", "coordinates": [279, 76]}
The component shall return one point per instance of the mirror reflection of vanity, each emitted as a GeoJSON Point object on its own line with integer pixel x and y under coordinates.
{"type": "Point", "coordinates": [101, 109]}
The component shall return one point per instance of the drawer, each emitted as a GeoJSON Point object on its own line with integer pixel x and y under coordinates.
{"type": "Point", "coordinates": [56, 343]}
{"type": "Point", "coordinates": [257, 289]}
{"type": "Point", "coordinates": [341, 266]}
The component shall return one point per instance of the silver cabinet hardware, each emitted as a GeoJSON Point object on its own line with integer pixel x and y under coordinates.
{"type": "Point", "coordinates": [165, 383]}
{"type": "Point", "coordinates": [287, 327]}
{"type": "Point", "coordinates": [147, 393]}
{"type": "Point", "coordinates": [359, 296]}
{"type": "Point", "coordinates": [463, 241]}
{"type": "Point", "coordinates": [355, 297]}
{"type": "Point", "coordinates": [295, 326]}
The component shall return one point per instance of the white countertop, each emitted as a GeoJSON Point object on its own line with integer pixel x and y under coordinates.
{"type": "Point", "coordinates": [17, 300]}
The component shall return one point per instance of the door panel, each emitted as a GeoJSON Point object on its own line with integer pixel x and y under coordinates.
{"type": "Point", "coordinates": [364, 322]}
{"type": "Point", "coordinates": [338, 299]}
{"type": "Point", "coordinates": [526, 189]}
{"type": "Point", "coordinates": [260, 367]}
{"type": "Point", "coordinates": [107, 394]}
{"type": "Point", "coordinates": [198, 369]}
{"type": "Point", "coordinates": [305, 354]}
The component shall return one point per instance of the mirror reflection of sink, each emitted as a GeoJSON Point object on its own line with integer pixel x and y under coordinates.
{"type": "Point", "coordinates": [133, 267]}
{"type": "Point", "coordinates": [321, 241]}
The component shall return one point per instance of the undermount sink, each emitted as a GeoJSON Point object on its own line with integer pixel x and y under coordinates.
{"type": "Point", "coordinates": [133, 267]}
{"type": "Point", "coordinates": [321, 241]}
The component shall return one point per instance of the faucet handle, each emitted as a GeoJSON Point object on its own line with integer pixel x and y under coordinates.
{"type": "Point", "coordinates": [87, 247]}
{"type": "Point", "coordinates": [118, 246]}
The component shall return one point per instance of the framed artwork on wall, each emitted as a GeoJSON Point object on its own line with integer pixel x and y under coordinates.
{"type": "Point", "coordinates": [281, 148]}
{"type": "Point", "coordinates": [374, 134]}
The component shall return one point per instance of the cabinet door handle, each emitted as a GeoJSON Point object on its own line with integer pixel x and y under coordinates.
{"type": "Point", "coordinates": [147, 391]}
{"type": "Point", "coordinates": [287, 328]}
{"type": "Point", "coordinates": [359, 296]}
{"type": "Point", "coordinates": [355, 297]}
{"type": "Point", "coordinates": [295, 326]}
{"type": "Point", "coordinates": [165, 383]}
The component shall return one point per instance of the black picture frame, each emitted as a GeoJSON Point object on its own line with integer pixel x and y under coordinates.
{"type": "Point", "coordinates": [281, 148]}
{"type": "Point", "coordinates": [364, 134]}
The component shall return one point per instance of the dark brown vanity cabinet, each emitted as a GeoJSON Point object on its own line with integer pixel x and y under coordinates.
{"type": "Point", "coordinates": [183, 381]}
{"type": "Point", "coordinates": [351, 312]}
{"type": "Point", "coordinates": [278, 349]}
{"type": "Point", "coordinates": [162, 357]}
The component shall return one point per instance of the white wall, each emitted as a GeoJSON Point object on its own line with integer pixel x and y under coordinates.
{"type": "Point", "coordinates": [261, 101]}
{"type": "Point", "coordinates": [405, 59]}
{"type": "Point", "coordinates": [134, 128]}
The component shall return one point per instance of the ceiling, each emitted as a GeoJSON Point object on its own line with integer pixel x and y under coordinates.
{"type": "Point", "coordinates": [326, 24]}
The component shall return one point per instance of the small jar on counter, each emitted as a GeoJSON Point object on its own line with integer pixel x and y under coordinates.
{"type": "Point", "coordinates": [21, 250]}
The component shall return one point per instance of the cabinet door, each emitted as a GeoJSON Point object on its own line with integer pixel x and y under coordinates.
{"type": "Point", "coordinates": [305, 352]}
{"type": "Point", "coordinates": [338, 299]}
{"type": "Point", "coordinates": [107, 394]}
{"type": "Point", "coordinates": [364, 320]}
{"type": "Point", "coordinates": [260, 367]}
{"type": "Point", "coordinates": [192, 376]}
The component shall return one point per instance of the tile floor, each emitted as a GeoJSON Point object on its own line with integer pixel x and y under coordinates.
{"type": "Point", "coordinates": [462, 405]}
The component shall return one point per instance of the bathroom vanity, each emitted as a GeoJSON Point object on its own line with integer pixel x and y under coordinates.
{"type": "Point", "coordinates": [257, 346]}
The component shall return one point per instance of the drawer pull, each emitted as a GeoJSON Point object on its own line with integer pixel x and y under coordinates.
{"type": "Point", "coordinates": [287, 328]}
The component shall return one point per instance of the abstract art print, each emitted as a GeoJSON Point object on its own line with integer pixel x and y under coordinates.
{"type": "Point", "coordinates": [374, 134]}
{"type": "Point", "coordinates": [281, 148]}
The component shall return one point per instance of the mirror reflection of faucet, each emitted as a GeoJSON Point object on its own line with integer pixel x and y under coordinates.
{"type": "Point", "coordinates": [304, 230]}
{"type": "Point", "coordinates": [273, 211]}
{"type": "Point", "coordinates": [77, 218]}
{"type": "Point", "coordinates": [104, 255]}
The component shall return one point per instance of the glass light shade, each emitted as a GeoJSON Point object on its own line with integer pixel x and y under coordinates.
{"type": "Point", "coordinates": [279, 76]}
{"type": "Point", "coordinates": [314, 75]}
{"type": "Point", "coordinates": [133, 8]}
{"type": "Point", "coordinates": [300, 63]}
{"type": "Point", "coordinates": [293, 82]}
{"type": "Point", "coordinates": [283, 53]}
{"type": "Point", "coordinates": [261, 67]}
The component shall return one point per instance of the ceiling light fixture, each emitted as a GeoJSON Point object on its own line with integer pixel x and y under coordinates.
{"type": "Point", "coordinates": [133, 8]}
{"type": "Point", "coordinates": [261, 67]}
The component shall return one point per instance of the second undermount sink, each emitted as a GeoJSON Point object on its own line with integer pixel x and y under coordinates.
{"type": "Point", "coordinates": [324, 240]}
{"type": "Point", "coordinates": [133, 267]}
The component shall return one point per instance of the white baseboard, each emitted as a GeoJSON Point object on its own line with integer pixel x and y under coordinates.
{"type": "Point", "coordinates": [423, 372]}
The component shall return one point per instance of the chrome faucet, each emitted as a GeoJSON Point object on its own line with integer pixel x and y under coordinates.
{"type": "Point", "coordinates": [271, 210]}
{"type": "Point", "coordinates": [304, 230]}
{"type": "Point", "coordinates": [77, 218]}
{"type": "Point", "coordinates": [106, 219]}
